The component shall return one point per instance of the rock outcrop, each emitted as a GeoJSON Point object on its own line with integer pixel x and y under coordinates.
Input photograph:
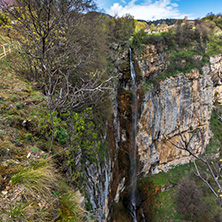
{"type": "Point", "coordinates": [216, 70]}
{"type": "Point", "coordinates": [181, 102]}
{"type": "Point", "coordinates": [151, 62]}
{"type": "Point", "coordinates": [175, 104]}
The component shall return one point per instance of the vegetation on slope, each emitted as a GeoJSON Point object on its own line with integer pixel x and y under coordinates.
{"type": "Point", "coordinates": [181, 195]}
{"type": "Point", "coordinates": [63, 74]}
{"type": "Point", "coordinates": [163, 21]}
{"type": "Point", "coordinates": [186, 45]}
{"type": "Point", "coordinates": [31, 186]}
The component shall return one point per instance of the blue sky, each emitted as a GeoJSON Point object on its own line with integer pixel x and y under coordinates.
{"type": "Point", "coordinates": [157, 9]}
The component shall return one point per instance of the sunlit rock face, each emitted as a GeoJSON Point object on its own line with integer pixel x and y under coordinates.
{"type": "Point", "coordinates": [183, 102]}
{"type": "Point", "coordinates": [152, 62]}
{"type": "Point", "coordinates": [177, 102]}
{"type": "Point", "coordinates": [185, 99]}
{"type": "Point", "coordinates": [216, 73]}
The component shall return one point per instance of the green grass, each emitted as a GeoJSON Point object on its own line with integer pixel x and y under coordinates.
{"type": "Point", "coordinates": [17, 212]}
{"type": "Point", "coordinates": [172, 176]}
{"type": "Point", "coordinates": [216, 127]}
{"type": "Point", "coordinates": [69, 205]}
{"type": "Point", "coordinates": [33, 181]}
{"type": "Point", "coordinates": [40, 180]}
{"type": "Point", "coordinates": [214, 47]}
{"type": "Point", "coordinates": [166, 207]}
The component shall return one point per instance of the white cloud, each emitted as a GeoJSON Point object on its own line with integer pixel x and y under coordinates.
{"type": "Point", "coordinates": [148, 10]}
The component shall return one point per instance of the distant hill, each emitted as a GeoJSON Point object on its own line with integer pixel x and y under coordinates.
{"type": "Point", "coordinates": [161, 21]}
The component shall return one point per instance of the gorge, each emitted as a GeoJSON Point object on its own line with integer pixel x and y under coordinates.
{"type": "Point", "coordinates": [140, 146]}
{"type": "Point", "coordinates": [103, 119]}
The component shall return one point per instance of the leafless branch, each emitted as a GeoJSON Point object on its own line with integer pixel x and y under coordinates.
{"type": "Point", "coordinates": [185, 144]}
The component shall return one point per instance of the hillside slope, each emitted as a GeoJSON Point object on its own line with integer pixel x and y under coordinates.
{"type": "Point", "coordinates": [30, 184]}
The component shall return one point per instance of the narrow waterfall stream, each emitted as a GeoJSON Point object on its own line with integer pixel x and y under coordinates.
{"type": "Point", "coordinates": [133, 148]}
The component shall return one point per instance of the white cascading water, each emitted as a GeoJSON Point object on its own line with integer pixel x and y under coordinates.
{"type": "Point", "coordinates": [132, 154]}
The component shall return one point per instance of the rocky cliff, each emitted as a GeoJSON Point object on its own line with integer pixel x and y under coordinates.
{"type": "Point", "coordinates": [177, 103]}
{"type": "Point", "coordinates": [180, 102]}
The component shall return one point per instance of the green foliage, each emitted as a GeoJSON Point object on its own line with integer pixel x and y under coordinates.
{"type": "Point", "coordinates": [216, 127]}
{"type": "Point", "coordinates": [209, 17]}
{"type": "Point", "coordinates": [83, 134]}
{"type": "Point", "coordinates": [163, 21]}
{"type": "Point", "coordinates": [138, 39]}
{"type": "Point", "coordinates": [103, 149]}
{"type": "Point", "coordinates": [140, 25]}
{"type": "Point", "coordinates": [219, 23]}
{"type": "Point", "coordinates": [153, 27]}
{"type": "Point", "coordinates": [214, 46]}
{"type": "Point", "coordinates": [34, 149]}
{"type": "Point", "coordinates": [184, 47]}
{"type": "Point", "coordinates": [147, 86]}
{"type": "Point", "coordinates": [4, 20]}
{"type": "Point", "coordinates": [62, 136]}
{"type": "Point", "coordinates": [49, 124]}
{"type": "Point", "coordinates": [120, 29]}
{"type": "Point", "coordinates": [28, 136]}
{"type": "Point", "coordinates": [184, 61]}
{"type": "Point", "coordinates": [180, 37]}
{"type": "Point", "coordinates": [36, 192]}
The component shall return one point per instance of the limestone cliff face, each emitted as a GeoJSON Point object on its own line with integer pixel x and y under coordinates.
{"type": "Point", "coordinates": [216, 70]}
{"type": "Point", "coordinates": [182, 102]}
{"type": "Point", "coordinates": [152, 62]}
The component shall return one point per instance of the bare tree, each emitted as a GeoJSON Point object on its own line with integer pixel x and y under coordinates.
{"type": "Point", "coordinates": [60, 52]}
{"type": "Point", "coordinates": [211, 175]}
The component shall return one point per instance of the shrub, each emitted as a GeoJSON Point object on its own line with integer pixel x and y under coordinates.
{"type": "Point", "coordinates": [28, 136]}
{"type": "Point", "coordinates": [196, 202]}
{"type": "Point", "coordinates": [4, 20]}
{"type": "Point", "coordinates": [62, 136]}
{"type": "Point", "coordinates": [45, 196]}
{"type": "Point", "coordinates": [188, 199]}
{"type": "Point", "coordinates": [214, 47]}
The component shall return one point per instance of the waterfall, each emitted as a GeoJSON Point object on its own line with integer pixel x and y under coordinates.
{"type": "Point", "coordinates": [132, 71]}
{"type": "Point", "coordinates": [133, 148]}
